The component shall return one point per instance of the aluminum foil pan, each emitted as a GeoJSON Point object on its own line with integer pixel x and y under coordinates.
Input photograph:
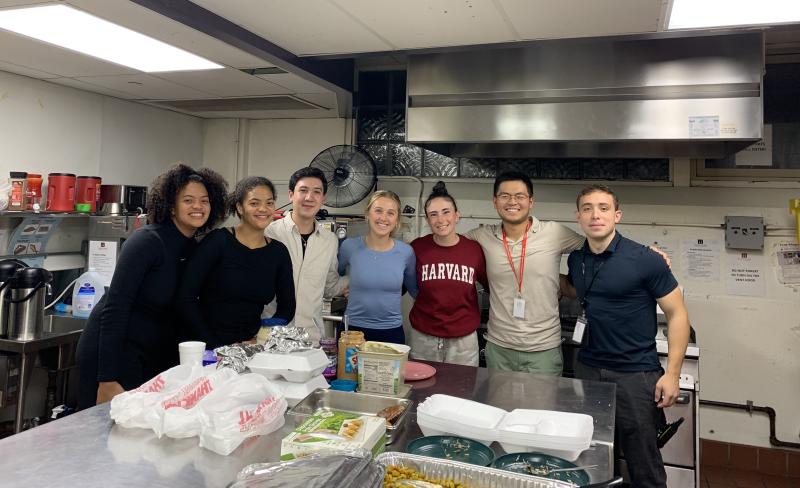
{"type": "Point", "coordinates": [468, 474]}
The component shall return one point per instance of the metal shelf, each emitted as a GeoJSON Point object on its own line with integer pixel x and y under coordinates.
{"type": "Point", "coordinates": [30, 213]}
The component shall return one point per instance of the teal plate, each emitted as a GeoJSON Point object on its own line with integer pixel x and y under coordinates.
{"type": "Point", "coordinates": [452, 448]}
{"type": "Point", "coordinates": [537, 464]}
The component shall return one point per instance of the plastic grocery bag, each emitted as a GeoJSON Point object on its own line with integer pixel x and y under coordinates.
{"type": "Point", "coordinates": [247, 406]}
{"type": "Point", "coordinates": [178, 415]}
{"type": "Point", "coordinates": [129, 409]}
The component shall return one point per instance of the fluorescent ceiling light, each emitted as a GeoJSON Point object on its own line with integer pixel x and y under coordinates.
{"type": "Point", "coordinates": [76, 30]}
{"type": "Point", "coordinates": [693, 14]}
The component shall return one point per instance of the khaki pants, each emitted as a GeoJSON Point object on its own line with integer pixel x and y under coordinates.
{"type": "Point", "coordinates": [455, 350]}
{"type": "Point", "coordinates": [549, 361]}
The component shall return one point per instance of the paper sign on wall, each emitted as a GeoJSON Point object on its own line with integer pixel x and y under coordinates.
{"type": "Point", "coordinates": [103, 258]}
{"type": "Point", "coordinates": [759, 154]}
{"type": "Point", "coordinates": [788, 260]}
{"type": "Point", "coordinates": [745, 274]}
{"type": "Point", "coordinates": [701, 259]}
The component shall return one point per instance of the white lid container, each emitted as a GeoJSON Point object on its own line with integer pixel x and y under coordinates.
{"type": "Point", "coordinates": [297, 366]}
{"type": "Point", "coordinates": [445, 414]}
{"type": "Point", "coordinates": [294, 392]}
{"type": "Point", "coordinates": [561, 434]}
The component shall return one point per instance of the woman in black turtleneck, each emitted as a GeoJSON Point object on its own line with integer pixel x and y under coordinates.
{"type": "Point", "coordinates": [237, 271]}
{"type": "Point", "coordinates": [132, 334]}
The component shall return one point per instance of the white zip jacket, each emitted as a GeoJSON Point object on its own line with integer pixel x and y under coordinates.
{"type": "Point", "coordinates": [315, 274]}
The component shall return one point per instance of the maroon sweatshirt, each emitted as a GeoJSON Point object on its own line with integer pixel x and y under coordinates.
{"type": "Point", "coordinates": [447, 304]}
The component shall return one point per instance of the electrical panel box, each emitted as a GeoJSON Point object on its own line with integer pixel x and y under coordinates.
{"type": "Point", "coordinates": [744, 233]}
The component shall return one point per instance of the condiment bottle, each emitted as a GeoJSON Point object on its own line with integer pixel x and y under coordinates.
{"type": "Point", "coordinates": [349, 342]}
{"type": "Point", "coordinates": [19, 187]}
{"type": "Point", "coordinates": [34, 191]}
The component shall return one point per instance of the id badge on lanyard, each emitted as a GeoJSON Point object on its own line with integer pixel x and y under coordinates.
{"type": "Point", "coordinates": [518, 309]}
{"type": "Point", "coordinates": [580, 328]}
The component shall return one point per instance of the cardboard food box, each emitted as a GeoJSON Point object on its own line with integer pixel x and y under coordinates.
{"type": "Point", "coordinates": [381, 367]}
{"type": "Point", "coordinates": [334, 431]}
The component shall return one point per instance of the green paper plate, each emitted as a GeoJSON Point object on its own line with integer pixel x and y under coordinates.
{"type": "Point", "coordinates": [452, 448]}
{"type": "Point", "coordinates": [535, 462]}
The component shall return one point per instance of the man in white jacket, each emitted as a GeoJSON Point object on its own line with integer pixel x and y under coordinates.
{"type": "Point", "coordinates": [313, 249]}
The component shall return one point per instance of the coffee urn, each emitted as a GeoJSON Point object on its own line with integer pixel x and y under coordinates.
{"type": "Point", "coordinates": [25, 298]}
{"type": "Point", "coordinates": [8, 268]}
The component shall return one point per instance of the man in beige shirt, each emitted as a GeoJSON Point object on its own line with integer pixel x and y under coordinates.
{"type": "Point", "coordinates": [313, 249]}
{"type": "Point", "coordinates": [523, 257]}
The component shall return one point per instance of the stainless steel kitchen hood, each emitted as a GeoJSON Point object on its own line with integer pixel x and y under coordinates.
{"type": "Point", "coordinates": [662, 97]}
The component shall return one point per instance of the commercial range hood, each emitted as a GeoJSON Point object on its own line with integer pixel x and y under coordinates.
{"type": "Point", "coordinates": [697, 97]}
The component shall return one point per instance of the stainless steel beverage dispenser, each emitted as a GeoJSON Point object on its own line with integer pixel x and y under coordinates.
{"type": "Point", "coordinates": [26, 300]}
{"type": "Point", "coordinates": [8, 267]}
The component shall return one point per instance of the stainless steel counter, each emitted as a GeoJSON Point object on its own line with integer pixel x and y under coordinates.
{"type": "Point", "coordinates": [59, 330]}
{"type": "Point", "coordinates": [86, 449]}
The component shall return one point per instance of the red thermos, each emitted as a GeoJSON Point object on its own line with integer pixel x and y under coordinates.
{"type": "Point", "coordinates": [88, 191]}
{"type": "Point", "coordinates": [60, 192]}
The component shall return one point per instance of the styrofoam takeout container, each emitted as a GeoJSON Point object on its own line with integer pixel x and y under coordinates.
{"type": "Point", "coordinates": [295, 392]}
{"type": "Point", "coordinates": [561, 434]}
{"type": "Point", "coordinates": [297, 366]}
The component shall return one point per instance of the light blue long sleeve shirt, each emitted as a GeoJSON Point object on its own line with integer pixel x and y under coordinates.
{"type": "Point", "coordinates": [377, 280]}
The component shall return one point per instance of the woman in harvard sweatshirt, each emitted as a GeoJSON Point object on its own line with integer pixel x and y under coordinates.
{"type": "Point", "coordinates": [445, 315]}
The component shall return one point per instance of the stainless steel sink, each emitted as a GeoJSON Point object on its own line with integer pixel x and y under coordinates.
{"type": "Point", "coordinates": [62, 324]}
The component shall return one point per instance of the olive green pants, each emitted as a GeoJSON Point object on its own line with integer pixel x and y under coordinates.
{"type": "Point", "coordinates": [549, 361]}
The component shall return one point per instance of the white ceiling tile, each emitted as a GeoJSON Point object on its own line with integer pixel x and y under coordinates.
{"type": "Point", "coordinates": [25, 71]}
{"type": "Point", "coordinates": [432, 23]}
{"type": "Point", "coordinates": [41, 56]}
{"type": "Point", "coordinates": [308, 27]}
{"type": "Point", "coordinates": [294, 83]}
{"type": "Point", "coordinates": [82, 85]}
{"type": "Point", "coordinates": [227, 82]}
{"type": "Point", "coordinates": [146, 87]}
{"type": "Point", "coordinates": [150, 23]}
{"type": "Point", "coordinates": [550, 19]}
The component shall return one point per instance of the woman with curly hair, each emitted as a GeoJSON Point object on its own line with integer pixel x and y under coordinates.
{"type": "Point", "coordinates": [132, 334]}
{"type": "Point", "coordinates": [236, 271]}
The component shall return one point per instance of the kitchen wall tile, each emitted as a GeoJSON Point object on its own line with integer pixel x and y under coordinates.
{"type": "Point", "coordinates": [794, 464]}
{"type": "Point", "coordinates": [713, 453]}
{"type": "Point", "coordinates": [772, 461]}
{"type": "Point", "coordinates": [743, 457]}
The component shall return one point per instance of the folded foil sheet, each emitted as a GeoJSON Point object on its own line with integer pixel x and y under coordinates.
{"type": "Point", "coordinates": [287, 339]}
{"type": "Point", "coordinates": [236, 356]}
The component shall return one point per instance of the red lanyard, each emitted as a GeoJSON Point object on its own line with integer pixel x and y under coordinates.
{"type": "Point", "coordinates": [521, 257]}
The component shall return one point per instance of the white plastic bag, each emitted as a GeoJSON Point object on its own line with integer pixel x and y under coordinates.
{"type": "Point", "coordinates": [247, 406]}
{"type": "Point", "coordinates": [130, 409]}
{"type": "Point", "coordinates": [178, 415]}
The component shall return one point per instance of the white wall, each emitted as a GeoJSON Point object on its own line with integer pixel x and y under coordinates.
{"type": "Point", "coordinates": [749, 344]}
{"type": "Point", "coordinates": [50, 128]}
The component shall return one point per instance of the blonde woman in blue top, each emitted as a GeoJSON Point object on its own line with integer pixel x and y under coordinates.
{"type": "Point", "coordinates": [381, 269]}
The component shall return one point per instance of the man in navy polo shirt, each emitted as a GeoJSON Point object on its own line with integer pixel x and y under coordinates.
{"type": "Point", "coordinates": [619, 282]}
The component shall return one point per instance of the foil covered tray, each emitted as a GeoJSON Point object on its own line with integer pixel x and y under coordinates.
{"type": "Point", "coordinates": [345, 401]}
{"type": "Point", "coordinates": [469, 474]}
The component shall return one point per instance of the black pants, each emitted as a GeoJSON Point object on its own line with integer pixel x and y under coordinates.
{"type": "Point", "coordinates": [637, 419]}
